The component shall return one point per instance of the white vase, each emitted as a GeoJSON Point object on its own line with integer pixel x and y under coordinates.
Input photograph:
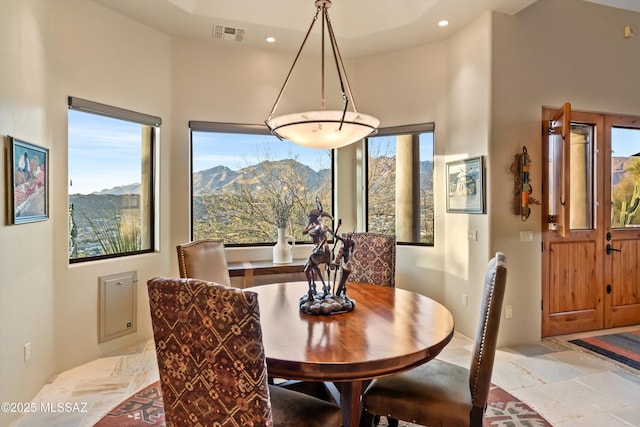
{"type": "Point", "coordinates": [283, 250]}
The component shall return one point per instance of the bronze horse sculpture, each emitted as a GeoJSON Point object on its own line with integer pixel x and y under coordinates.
{"type": "Point", "coordinates": [326, 302]}
{"type": "Point", "coordinates": [321, 253]}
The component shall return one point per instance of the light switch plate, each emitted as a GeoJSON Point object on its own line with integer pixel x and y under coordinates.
{"type": "Point", "coordinates": [508, 312]}
{"type": "Point", "coordinates": [526, 236]}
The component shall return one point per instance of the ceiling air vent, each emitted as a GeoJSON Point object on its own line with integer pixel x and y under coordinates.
{"type": "Point", "coordinates": [221, 32]}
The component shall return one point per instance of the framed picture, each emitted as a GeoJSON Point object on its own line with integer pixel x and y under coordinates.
{"type": "Point", "coordinates": [29, 182]}
{"type": "Point", "coordinates": [465, 186]}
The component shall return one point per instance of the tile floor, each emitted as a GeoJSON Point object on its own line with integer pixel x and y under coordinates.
{"type": "Point", "coordinates": [562, 382]}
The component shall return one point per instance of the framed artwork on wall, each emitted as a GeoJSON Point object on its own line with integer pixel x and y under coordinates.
{"type": "Point", "coordinates": [465, 186]}
{"type": "Point", "coordinates": [28, 181]}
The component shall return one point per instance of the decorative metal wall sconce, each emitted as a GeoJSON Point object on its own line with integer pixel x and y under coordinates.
{"type": "Point", "coordinates": [523, 189]}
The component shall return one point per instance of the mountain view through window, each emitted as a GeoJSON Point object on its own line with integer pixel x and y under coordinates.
{"type": "Point", "coordinates": [246, 186]}
{"type": "Point", "coordinates": [110, 186]}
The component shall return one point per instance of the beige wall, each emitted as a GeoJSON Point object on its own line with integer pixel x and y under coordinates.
{"type": "Point", "coordinates": [51, 50]}
{"type": "Point", "coordinates": [484, 89]}
{"type": "Point", "coordinates": [26, 263]}
{"type": "Point", "coordinates": [468, 135]}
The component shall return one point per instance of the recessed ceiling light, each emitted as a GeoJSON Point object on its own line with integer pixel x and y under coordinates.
{"type": "Point", "coordinates": [443, 23]}
{"type": "Point", "coordinates": [270, 39]}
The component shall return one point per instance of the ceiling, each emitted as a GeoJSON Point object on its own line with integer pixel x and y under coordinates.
{"type": "Point", "coordinates": [362, 27]}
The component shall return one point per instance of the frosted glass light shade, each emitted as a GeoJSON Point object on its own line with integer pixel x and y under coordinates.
{"type": "Point", "coordinates": [321, 129]}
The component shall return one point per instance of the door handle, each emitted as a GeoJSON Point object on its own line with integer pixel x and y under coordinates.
{"type": "Point", "coordinates": [610, 249]}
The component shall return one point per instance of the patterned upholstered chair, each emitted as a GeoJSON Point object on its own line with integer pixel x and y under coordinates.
{"type": "Point", "coordinates": [374, 259]}
{"type": "Point", "coordinates": [440, 393]}
{"type": "Point", "coordinates": [212, 364]}
{"type": "Point", "coordinates": [205, 260]}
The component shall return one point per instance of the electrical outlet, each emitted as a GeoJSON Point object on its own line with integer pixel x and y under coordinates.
{"type": "Point", "coordinates": [27, 352]}
{"type": "Point", "coordinates": [465, 299]}
{"type": "Point", "coordinates": [508, 312]}
{"type": "Point", "coordinates": [473, 235]}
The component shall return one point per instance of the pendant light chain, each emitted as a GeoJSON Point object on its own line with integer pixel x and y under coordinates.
{"type": "Point", "coordinates": [286, 80]}
{"type": "Point", "coordinates": [323, 129]}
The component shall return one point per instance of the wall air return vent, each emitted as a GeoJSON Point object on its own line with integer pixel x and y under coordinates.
{"type": "Point", "coordinates": [220, 32]}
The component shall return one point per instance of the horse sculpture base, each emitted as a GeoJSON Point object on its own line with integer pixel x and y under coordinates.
{"type": "Point", "coordinates": [322, 304]}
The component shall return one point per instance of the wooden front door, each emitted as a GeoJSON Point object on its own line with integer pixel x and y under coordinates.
{"type": "Point", "coordinates": [622, 224]}
{"type": "Point", "coordinates": [590, 232]}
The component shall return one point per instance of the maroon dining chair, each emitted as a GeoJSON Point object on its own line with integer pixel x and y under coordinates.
{"type": "Point", "coordinates": [440, 393]}
{"type": "Point", "coordinates": [374, 259]}
{"type": "Point", "coordinates": [212, 364]}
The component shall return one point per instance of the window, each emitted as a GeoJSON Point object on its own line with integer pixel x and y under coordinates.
{"type": "Point", "coordinates": [246, 183]}
{"type": "Point", "coordinates": [581, 183]}
{"type": "Point", "coordinates": [625, 177]}
{"type": "Point", "coordinates": [111, 181]}
{"type": "Point", "coordinates": [400, 183]}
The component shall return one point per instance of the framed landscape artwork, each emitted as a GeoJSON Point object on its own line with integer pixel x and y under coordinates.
{"type": "Point", "coordinates": [465, 186]}
{"type": "Point", "coordinates": [29, 182]}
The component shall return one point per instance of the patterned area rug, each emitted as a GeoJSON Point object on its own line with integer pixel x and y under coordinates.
{"type": "Point", "coordinates": [623, 347]}
{"type": "Point", "coordinates": [503, 409]}
{"type": "Point", "coordinates": [145, 409]}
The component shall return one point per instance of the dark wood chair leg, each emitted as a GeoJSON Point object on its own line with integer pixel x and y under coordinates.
{"type": "Point", "coordinates": [367, 419]}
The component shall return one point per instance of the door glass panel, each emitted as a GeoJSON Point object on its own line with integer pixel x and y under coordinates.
{"type": "Point", "coordinates": [551, 178]}
{"type": "Point", "coordinates": [625, 177]}
{"type": "Point", "coordinates": [581, 182]}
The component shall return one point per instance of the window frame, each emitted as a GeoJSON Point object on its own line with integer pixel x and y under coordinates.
{"type": "Point", "coordinates": [154, 123]}
{"type": "Point", "coordinates": [428, 127]}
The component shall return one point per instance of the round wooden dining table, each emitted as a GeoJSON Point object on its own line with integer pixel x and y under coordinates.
{"type": "Point", "coordinates": [390, 330]}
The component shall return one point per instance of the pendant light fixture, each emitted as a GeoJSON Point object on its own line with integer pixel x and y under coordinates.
{"type": "Point", "coordinates": [324, 128]}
